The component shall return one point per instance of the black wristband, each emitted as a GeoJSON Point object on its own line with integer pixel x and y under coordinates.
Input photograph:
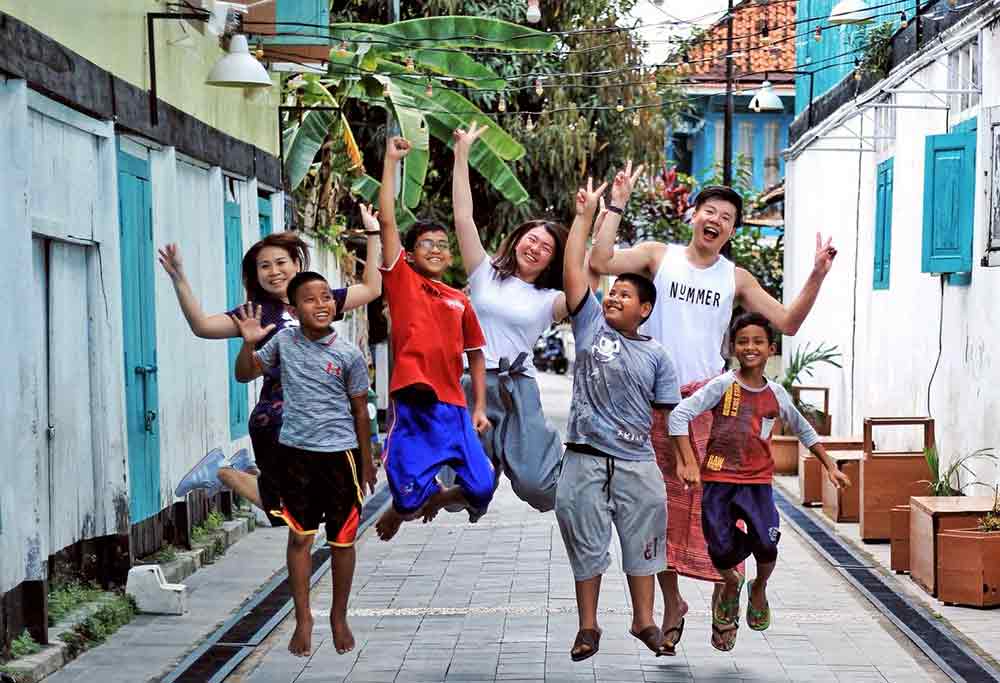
{"type": "Point", "coordinates": [614, 209]}
{"type": "Point", "coordinates": [373, 232]}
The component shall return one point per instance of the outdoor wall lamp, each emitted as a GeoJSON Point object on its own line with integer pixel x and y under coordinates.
{"type": "Point", "coordinates": [237, 68]}
{"type": "Point", "coordinates": [767, 100]}
{"type": "Point", "coordinates": [534, 12]}
{"type": "Point", "coordinates": [850, 12]}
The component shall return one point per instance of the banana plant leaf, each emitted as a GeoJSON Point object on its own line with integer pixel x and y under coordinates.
{"type": "Point", "coordinates": [413, 127]}
{"type": "Point", "coordinates": [304, 141]}
{"type": "Point", "coordinates": [368, 188]}
{"type": "Point", "coordinates": [451, 32]}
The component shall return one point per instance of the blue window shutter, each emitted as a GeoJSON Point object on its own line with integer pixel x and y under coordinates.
{"type": "Point", "coordinates": [264, 211]}
{"type": "Point", "coordinates": [314, 13]}
{"type": "Point", "coordinates": [949, 195]}
{"type": "Point", "coordinates": [239, 411]}
{"type": "Point", "coordinates": [883, 225]}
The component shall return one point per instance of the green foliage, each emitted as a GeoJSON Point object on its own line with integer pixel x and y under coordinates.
{"type": "Point", "coordinates": [167, 553]}
{"type": "Point", "coordinates": [96, 628]}
{"type": "Point", "coordinates": [801, 365]}
{"type": "Point", "coordinates": [66, 597]}
{"type": "Point", "coordinates": [946, 482]}
{"type": "Point", "coordinates": [214, 521]}
{"type": "Point", "coordinates": [875, 43]}
{"type": "Point", "coordinates": [23, 646]}
{"type": "Point", "coordinates": [991, 522]}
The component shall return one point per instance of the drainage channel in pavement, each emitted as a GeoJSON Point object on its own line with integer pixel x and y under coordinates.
{"type": "Point", "coordinates": [937, 640]}
{"type": "Point", "coordinates": [231, 643]}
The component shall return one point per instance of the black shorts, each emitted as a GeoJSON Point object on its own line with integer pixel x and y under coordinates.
{"type": "Point", "coordinates": [320, 487]}
{"type": "Point", "coordinates": [722, 504]}
{"type": "Point", "coordinates": [267, 453]}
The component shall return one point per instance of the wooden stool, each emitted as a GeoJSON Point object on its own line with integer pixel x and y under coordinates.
{"type": "Point", "coordinates": [842, 505]}
{"type": "Point", "coordinates": [811, 473]}
{"type": "Point", "coordinates": [890, 478]}
{"type": "Point", "coordinates": [930, 515]}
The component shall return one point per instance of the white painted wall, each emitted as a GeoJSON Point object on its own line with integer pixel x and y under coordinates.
{"type": "Point", "coordinates": [890, 337]}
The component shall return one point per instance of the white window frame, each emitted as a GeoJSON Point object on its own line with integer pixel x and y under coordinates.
{"type": "Point", "coordinates": [965, 68]}
{"type": "Point", "coordinates": [772, 153]}
{"type": "Point", "coordinates": [885, 130]}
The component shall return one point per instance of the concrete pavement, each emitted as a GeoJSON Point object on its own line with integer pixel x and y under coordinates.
{"type": "Point", "coordinates": [493, 601]}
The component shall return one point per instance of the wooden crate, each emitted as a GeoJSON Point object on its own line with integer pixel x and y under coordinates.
{"type": "Point", "coordinates": [931, 515]}
{"type": "Point", "coordinates": [811, 472]}
{"type": "Point", "coordinates": [889, 479]}
{"type": "Point", "coordinates": [899, 539]}
{"type": "Point", "coordinates": [785, 451]}
{"type": "Point", "coordinates": [822, 423]}
{"type": "Point", "coordinates": [842, 505]}
{"type": "Point", "coordinates": [969, 567]}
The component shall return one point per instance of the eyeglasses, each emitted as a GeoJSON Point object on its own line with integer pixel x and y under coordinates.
{"type": "Point", "coordinates": [431, 245]}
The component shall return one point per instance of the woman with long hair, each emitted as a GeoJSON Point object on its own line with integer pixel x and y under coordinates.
{"type": "Point", "coordinates": [268, 266]}
{"type": "Point", "coordinates": [517, 294]}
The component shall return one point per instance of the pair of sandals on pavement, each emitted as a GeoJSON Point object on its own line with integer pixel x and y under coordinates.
{"type": "Point", "coordinates": [590, 638]}
{"type": "Point", "coordinates": [726, 619]}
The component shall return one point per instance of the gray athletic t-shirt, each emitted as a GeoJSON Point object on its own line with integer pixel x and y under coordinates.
{"type": "Point", "coordinates": [616, 381]}
{"type": "Point", "coordinates": [318, 379]}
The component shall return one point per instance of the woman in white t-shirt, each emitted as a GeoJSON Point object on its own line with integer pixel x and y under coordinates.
{"type": "Point", "coordinates": [516, 294]}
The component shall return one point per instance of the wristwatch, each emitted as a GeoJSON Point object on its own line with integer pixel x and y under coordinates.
{"type": "Point", "coordinates": [373, 232]}
{"type": "Point", "coordinates": [616, 209]}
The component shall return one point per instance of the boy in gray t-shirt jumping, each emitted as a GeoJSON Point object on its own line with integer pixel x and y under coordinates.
{"type": "Point", "coordinates": [324, 444]}
{"type": "Point", "coordinates": [609, 474]}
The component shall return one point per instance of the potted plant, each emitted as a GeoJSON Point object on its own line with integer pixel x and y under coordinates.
{"type": "Point", "coordinates": [801, 364]}
{"type": "Point", "coordinates": [945, 508]}
{"type": "Point", "coordinates": [969, 561]}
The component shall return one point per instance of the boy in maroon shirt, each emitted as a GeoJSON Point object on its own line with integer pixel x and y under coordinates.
{"type": "Point", "coordinates": [738, 471]}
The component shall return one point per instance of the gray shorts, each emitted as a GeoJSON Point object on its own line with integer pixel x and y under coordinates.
{"type": "Point", "coordinates": [595, 492]}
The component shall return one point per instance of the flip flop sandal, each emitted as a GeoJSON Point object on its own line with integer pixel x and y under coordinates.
{"type": "Point", "coordinates": [757, 619]}
{"type": "Point", "coordinates": [729, 610]}
{"type": "Point", "coordinates": [719, 633]}
{"type": "Point", "coordinates": [670, 649]}
{"type": "Point", "coordinates": [587, 637]}
{"type": "Point", "coordinates": [651, 637]}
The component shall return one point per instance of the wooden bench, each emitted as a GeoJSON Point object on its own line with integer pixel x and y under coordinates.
{"type": "Point", "coordinates": [890, 478]}
{"type": "Point", "coordinates": [930, 515]}
{"type": "Point", "coordinates": [811, 472]}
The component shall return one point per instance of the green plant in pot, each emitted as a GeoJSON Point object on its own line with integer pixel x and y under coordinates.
{"type": "Point", "coordinates": [801, 366]}
{"type": "Point", "coordinates": [991, 522]}
{"type": "Point", "coordinates": [946, 482]}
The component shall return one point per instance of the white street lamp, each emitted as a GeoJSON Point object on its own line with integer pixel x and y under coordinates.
{"type": "Point", "coordinates": [850, 12]}
{"type": "Point", "coordinates": [766, 99]}
{"type": "Point", "coordinates": [238, 68]}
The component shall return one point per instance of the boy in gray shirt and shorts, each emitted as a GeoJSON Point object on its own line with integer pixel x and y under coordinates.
{"type": "Point", "coordinates": [324, 443]}
{"type": "Point", "coordinates": [609, 473]}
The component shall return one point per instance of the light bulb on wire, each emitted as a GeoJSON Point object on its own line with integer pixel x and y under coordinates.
{"type": "Point", "coordinates": [539, 90]}
{"type": "Point", "coordinates": [619, 107]}
{"type": "Point", "coordinates": [429, 92]}
{"type": "Point", "coordinates": [534, 12]}
{"type": "Point", "coordinates": [344, 49]}
{"type": "Point", "coordinates": [818, 34]}
{"type": "Point", "coordinates": [636, 120]}
{"type": "Point", "coordinates": [409, 63]}
{"type": "Point", "coordinates": [529, 125]}
{"type": "Point", "coordinates": [502, 104]}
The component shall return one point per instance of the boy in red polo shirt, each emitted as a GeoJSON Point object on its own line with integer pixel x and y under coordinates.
{"type": "Point", "coordinates": [432, 326]}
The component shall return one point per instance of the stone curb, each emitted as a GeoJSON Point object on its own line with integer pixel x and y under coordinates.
{"type": "Point", "coordinates": [56, 654]}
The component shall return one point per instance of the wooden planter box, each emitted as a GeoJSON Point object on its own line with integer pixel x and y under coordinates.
{"type": "Point", "coordinates": [811, 473]}
{"type": "Point", "coordinates": [899, 539]}
{"type": "Point", "coordinates": [785, 451]}
{"type": "Point", "coordinates": [969, 567]}
{"type": "Point", "coordinates": [842, 505]}
{"type": "Point", "coordinates": [889, 479]}
{"type": "Point", "coordinates": [822, 423]}
{"type": "Point", "coordinates": [929, 516]}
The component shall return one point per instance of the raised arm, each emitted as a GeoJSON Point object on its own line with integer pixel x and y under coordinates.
{"type": "Point", "coordinates": [395, 149]}
{"type": "Point", "coordinates": [604, 258]}
{"type": "Point", "coordinates": [370, 287]}
{"type": "Point", "coordinates": [788, 319]}
{"type": "Point", "coordinates": [576, 281]}
{"type": "Point", "coordinates": [216, 326]}
{"type": "Point", "coordinates": [469, 244]}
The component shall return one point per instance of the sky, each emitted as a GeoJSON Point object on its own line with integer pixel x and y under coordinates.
{"type": "Point", "coordinates": [656, 33]}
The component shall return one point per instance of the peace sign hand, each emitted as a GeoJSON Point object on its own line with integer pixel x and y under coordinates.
{"type": "Point", "coordinates": [825, 253]}
{"type": "Point", "coordinates": [248, 322]}
{"type": "Point", "coordinates": [586, 199]}
{"type": "Point", "coordinates": [624, 181]}
{"type": "Point", "coordinates": [464, 139]}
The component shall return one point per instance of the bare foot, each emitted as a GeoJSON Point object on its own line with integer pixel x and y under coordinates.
{"type": "Point", "coordinates": [388, 524]}
{"type": "Point", "coordinates": [343, 638]}
{"type": "Point", "coordinates": [301, 642]}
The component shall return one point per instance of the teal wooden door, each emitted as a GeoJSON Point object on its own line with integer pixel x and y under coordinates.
{"type": "Point", "coordinates": [239, 409]}
{"type": "Point", "coordinates": [264, 211]}
{"type": "Point", "coordinates": [139, 336]}
{"type": "Point", "coordinates": [949, 202]}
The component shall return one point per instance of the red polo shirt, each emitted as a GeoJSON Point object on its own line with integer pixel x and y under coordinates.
{"type": "Point", "coordinates": [432, 326]}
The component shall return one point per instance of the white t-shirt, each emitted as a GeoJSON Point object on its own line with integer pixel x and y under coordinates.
{"type": "Point", "coordinates": [513, 314]}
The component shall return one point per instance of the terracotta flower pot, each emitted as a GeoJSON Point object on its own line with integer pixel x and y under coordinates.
{"type": "Point", "coordinates": [810, 478]}
{"type": "Point", "coordinates": [931, 516]}
{"type": "Point", "coordinates": [842, 505]}
{"type": "Point", "coordinates": [785, 451]}
{"type": "Point", "coordinates": [899, 541]}
{"type": "Point", "coordinates": [969, 567]}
